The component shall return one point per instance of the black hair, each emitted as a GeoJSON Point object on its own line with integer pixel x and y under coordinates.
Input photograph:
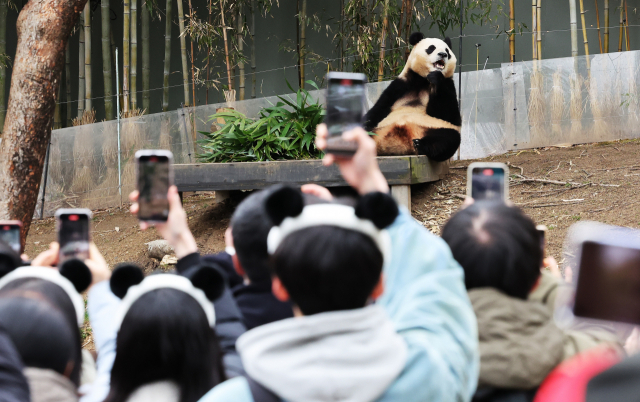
{"type": "Point", "coordinates": [39, 331]}
{"type": "Point", "coordinates": [57, 297]}
{"type": "Point", "coordinates": [327, 268]}
{"type": "Point", "coordinates": [165, 335]}
{"type": "Point", "coordinates": [497, 245]}
{"type": "Point", "coordinates": [250, 226]}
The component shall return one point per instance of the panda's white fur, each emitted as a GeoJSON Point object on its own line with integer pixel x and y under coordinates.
{"type": "Point", "coordinates": [403, 124]}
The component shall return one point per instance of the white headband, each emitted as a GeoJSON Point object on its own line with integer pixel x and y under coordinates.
{"type": "Point", "coordinates": [162, 281]}
{"type": "Point", "coordinates": [338, 215]}
{"type": "Point", "coordinates": [52, 275]}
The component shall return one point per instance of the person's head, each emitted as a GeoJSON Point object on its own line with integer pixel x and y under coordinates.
{"type": "Point", "coordinates": [250, 227]}
{"type": "Point", "coordinates": [165, 334]}
{"type": "Point", "coordinates": [59, 290]}
{"type": "Point", "coordinates": [328, 257]}
{"type": "Point", "coordinates": [497, 245]}
{"type": "Point", "coordinates": [42, 335]}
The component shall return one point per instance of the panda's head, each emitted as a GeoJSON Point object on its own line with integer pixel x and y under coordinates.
{"type": "Point", "coordinates": [430, 54]}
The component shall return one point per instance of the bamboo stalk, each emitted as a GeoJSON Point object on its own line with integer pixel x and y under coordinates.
{"type": "Point", "coordinates": [81, 90]}
{"type": "Point", "coordinates": [167, 57]}
{"type": "Point", "coordinates": [193, 73]}
{"type": "Point", "coordinates": [512, 30]}
{"type": "Point", "coordinates": [253, 49]}
{"type": "Point", "coordinates": [584, 30]}
{"type": "Point", "coordinates": [3, 69]}
{"type": "Point", "coordinates": [539, 20]}
{"type": "Point", "coordinates": [621, 30]}
{"type": "Point", "coordinates": [67, 62]}
{"type": "Point", "coordinates": [183, 53]}
{"type": "Point", "coordinates": [341, 35]}
{"type": "Point", "coordinates": [407, 32]}
{"type": "Point", "coordinates": [134, 54]}
{"type": "Point", "coordinates": [208, 56]}
{"type": "Point", "coordinates": [385, 24]}
{"type": "Point", "coordinates": [401, 28]}
{"type": "Point", "coordinates": [598, 22]}
{"type": "Point", "coordinates": [626, 28]}
{"type": "Point", "coordinates": [146, 66]}
{"type": "Point", "coordinates": [106, 59]}
{"type": "Point", "coordinates": [241, 84]}
{"type": "Point", "coordinates": [606, 26]}
{"type": "Point", "coordinates": [126, 55]}
{"type": "Point", "coordinates": [120, 98]}
{"type": "Point", "coordinates": [534, 25]}
{"type": "Point", "coordinates": [303, 40]}
{"type": "Point", "coordinates": [226, 45]}
{"type": "Point", "coordinates": [87, 58]}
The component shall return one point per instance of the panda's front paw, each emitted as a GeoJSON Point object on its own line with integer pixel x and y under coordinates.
{"type": "Point", "coordinates": [435, 77]}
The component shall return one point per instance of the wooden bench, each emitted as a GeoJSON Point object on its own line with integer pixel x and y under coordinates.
{"type": "Point", "coordinates": [400, 171]}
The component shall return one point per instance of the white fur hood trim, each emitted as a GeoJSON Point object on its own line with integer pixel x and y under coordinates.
{"type": "Point", "coordinates": [348, 356]}
{"type": "Point", "coordinates": [338, 215]}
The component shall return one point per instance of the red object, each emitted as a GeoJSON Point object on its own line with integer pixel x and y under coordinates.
{"type": "Point", "coordinates": [568, 382]}
{"type": "Point", "coordinates": [487, 172]}
{"type": "Point", "coordinates": [345, 82]}
{"type": "Point", "coordinates": [73, 218]}
{"type": "Point", "coordinates": [6, 228]}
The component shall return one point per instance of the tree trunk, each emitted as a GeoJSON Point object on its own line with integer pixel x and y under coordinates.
{"type": "Point", "coordinates": [81, 90]}
{"type": "Point", "coordinates": [574, 28]}
{"type": "Point", "coordinates": [598, 22]}
{"type": "Point", "coordinates": [303, 40]}
{"type": "Point", "coordinates": [3, 50]}
{"type": "Point", "coordinates": [241, 84]}
{"type": "Point", "coordinates": [105, 15]}
{"type": "Point", "coordinates": [539, 23]}
{"type": "Point", "coordinates": [383, 39]}
{"type": "Point", "coordinates": [512, 31]}
{"type": "Point", "coordinates": [146, 66]}
{"type": "Point", "coordinates": [183, 53]}
{"type": "Point", "coordinates": [226, 45]}
{"type": "Point", "coordinates": [133, 84]}
{"type": "Point", "coordinates": [167, 57]}
{"type": "Point", "coordinates": [67, 80]}
{"type": "Point", "coordinates": [253, 49]}
{"type": "Point", "coordinates": [43, 30]}
{"type": "Point", "coordinates": [606, 26]}
{"type": "Point", "coordinates": [126, 55]}
{"type": "Point", "coordinates": [88, 105]}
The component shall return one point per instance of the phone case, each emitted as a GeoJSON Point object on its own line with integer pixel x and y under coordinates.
{"type": "Point", "coordinates": [154, 152]}
{"type": "Point", "coordinates": [489, 165]}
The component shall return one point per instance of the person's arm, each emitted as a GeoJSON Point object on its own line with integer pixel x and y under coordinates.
{"type": "Point", "coordinates": [427, 301]}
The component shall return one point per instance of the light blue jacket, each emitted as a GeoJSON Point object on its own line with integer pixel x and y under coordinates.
{"type": "Point", "coordinates": [426, 299]}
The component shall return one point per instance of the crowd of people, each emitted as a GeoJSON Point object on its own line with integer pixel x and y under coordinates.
{"type": "Point", "coordinates": [316, 298]}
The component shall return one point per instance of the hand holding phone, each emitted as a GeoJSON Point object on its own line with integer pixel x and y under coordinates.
{"type": "Point", "coordinates": [154, 177]}
{"type": "Point", "coordinates": [73, 230]}
{"type": "Point", "coordinates": [10, 233]}
{"type": "Point", "coordinates": [488, 181]}
{"type": "Point", "coordinates": [345, 110]}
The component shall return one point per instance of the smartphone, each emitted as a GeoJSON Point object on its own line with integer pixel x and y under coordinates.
{"type": "Point", "coordinates": [154, 171]}
{"type": "Point", "coordinates": [10, 233]}
{"type": "Point", "coordinates": [542, 232]}
{"type": "Point", "coordinates": [73, 230]}
{"type": "Point", "coordinates": [608, 285]}
{"type": "Point", "coordinates": [488, 181]}
{"type": "Point", "coordinates": [345, 110]}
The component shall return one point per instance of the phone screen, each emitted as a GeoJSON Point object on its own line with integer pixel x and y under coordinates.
{"type": "Point", "coordinates": [345, 105]}
{"type": "Point", "coordinates": [487, 183]}
{"type": "Point", "coordinates": [73, 236]}
{"type": "Point", "coordinates": [608, 286]}
{"type": "Point", "coordinates": [153, 185]}
{"type": "Point", "coordinates": [10, 234]}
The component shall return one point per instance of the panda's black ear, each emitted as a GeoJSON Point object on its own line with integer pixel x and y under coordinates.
{"type": "Point", "coordinates": [379, 208]}
{"type": "Point", "coordinates": [209, 278]}
{"type": "Point", "coordinates": [415, 38]}
{"type": "Point", "coordinates": [447, 40]}
{"type": "Point", "coordinates": [123, 277]}
{"type": "Point", "coordinates": [283, 203]}
{"type": "Point", "coordinates": [77, 273]}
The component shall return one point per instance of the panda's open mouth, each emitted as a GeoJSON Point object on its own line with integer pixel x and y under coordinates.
{"type": "Point", "coordinates": [439, 65]}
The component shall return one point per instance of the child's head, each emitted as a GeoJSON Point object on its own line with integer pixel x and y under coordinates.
{"type": "Point", "coordinates": [328, 257]}
{"type": "Point", "coordinates": [497, 245]}
{"type": "Point", "coordinates": [166, 332]}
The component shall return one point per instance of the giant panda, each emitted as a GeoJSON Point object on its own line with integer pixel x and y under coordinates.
{"type": "Point", "coordinates": [418, 113]}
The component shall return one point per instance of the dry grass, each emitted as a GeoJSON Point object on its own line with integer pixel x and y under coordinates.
{"type": "Point", "coordinates": [88, 117]}
{"type": "Point", "coordinates": [537, 107]}
{"type": "Point", "coordinates": [557, 105]}
{"type": "Point", "coordinates": [597, 101]}
{"type": "Point", "coordinates": [576, 107]}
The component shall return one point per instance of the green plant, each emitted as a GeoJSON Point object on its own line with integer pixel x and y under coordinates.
{"type": "Point", "coordinates": [283, 131]}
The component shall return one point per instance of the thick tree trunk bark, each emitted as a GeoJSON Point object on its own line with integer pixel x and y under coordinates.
{"type": "Point", "coordinates": [43, 29]}
{"type": "Point", "coordinates": [3, 50]}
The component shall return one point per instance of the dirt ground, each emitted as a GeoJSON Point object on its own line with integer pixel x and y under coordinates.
{"type": "Point", "coordinates": [584, 182]}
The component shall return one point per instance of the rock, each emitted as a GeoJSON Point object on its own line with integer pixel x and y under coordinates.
{"type": "Point", "coordinates": [169, 260]}
{"type": "Point", "coordinates": [158, 249]}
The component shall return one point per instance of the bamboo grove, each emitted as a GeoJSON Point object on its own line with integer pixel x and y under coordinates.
{"type": "Point", "coordinates": [218, 44]}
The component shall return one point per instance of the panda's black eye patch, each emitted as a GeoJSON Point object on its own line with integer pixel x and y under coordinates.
{"type": "Point", "coordinates": [431, 49]}
{"type": "Point", "coordinates": [448, 54]}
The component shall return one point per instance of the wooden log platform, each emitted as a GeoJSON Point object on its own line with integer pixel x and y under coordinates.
{"type": "Point", "coordinates": [400, 171]}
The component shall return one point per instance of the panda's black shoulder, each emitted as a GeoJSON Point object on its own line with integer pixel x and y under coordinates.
{"type": "Point", "coordinates": [415, 81]}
